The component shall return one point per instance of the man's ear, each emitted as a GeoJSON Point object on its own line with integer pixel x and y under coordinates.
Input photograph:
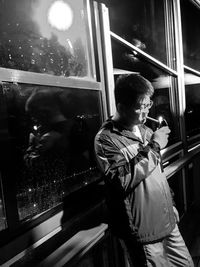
{"type": "Point", "coordinates": [120, 108]}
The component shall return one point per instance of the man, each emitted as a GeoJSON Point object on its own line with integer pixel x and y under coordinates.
{"type": "Point", "coordinates": [48, 138]}
{"type": "Point", "coordinates": [139, 199]}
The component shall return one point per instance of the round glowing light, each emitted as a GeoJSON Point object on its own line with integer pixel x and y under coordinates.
{"type": "Point", "coordinates": [35, 127]}
{"type": "Point", "coordinates": [160, 119]}
{"type": "Point", "coordinates": [60, 15]}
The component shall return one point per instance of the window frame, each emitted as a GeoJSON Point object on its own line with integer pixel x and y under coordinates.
{"type": "Point", "coordinates": [16, 230]}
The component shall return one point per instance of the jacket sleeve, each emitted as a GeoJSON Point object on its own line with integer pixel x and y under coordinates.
{"type": "Point", "coordinates": [115, 165]}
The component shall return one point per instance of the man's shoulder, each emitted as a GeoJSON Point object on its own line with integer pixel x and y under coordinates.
{"type": "Point", "coordinates": [109, 134]}
{"type": "Point", "coordinates": [106, 131]}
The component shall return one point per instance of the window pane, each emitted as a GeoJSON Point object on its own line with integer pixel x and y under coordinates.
{"type": "Point", "coordinates": [164, 107]}
{"type": "Point", "coordinates": [192, 91]}
{"type": "Point", "coordinates": [51, 132]}
{"type": "Point", "coordinates": [3, 223]}
{"type": "Point", "coordinates": [142, 23]}
{"type": "Point", "coordinates": [44, 37]}
{"type": "Point", "coordinates": [191, 34]}
{"type": "Point", "coordinates": [3, 136]}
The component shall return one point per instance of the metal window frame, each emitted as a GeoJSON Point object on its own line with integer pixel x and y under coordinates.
{"type": "Point", "coordinates": [77, 83]}
{"type": "Point", "coordinates": [105, 55]}
{"type": "Point", "coordinates": [14, 75]}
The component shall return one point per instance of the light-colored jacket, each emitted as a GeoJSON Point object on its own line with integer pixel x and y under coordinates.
{"type": "Point", "coordinates": [139, 198]}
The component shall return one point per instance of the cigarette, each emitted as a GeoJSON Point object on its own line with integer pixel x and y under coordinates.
{"type": "Point", "coordinates": [152, 119]}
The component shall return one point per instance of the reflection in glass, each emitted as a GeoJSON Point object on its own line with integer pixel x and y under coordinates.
{"type": "Point", "coordinates": [126, 59]}
{"type": "Point", "coordinates": [3, 223]}
{"type": "Point", "coordinates": [142, 23]}
{"type": "Point", "coordinates": [44, 36]}
{"type": "Point", "coordinates": [52, 131]}
{"type": "Point", "coordinates": [191, 34]}
{"type": "Point", "coordinates": [163, 106]}
{"type": "Point", "coordinates": [192, 91]}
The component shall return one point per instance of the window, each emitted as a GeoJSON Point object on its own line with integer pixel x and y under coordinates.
{"type": "Point", "coordinates": [192, 92]}
{"type": "Point", "coordinates": [50, 133]}
{"type": "Point", "coordinates": [50, 106]}
{"type": "Point", "coordinates": [143, 24]}
{"type": "Point", "coordinates": [45, 37]}
{"type": "Point", "coordinates": [190, 27]}
{"type": "Point", "coordinates": [191, 41]}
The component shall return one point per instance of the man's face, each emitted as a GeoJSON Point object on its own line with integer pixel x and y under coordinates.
{"type": "Point", "coordinates": [138, 113]}
{"type": "Point", "coordinates": [42, 115]}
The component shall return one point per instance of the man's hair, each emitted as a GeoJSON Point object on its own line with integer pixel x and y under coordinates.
{"type": "Point", "coordinates": [42, 98]}
{"type": "Point", "coordinates": [130, 88]}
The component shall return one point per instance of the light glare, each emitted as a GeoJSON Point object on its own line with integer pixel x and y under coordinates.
{"type": "Point", "coordinates": [60, 15]}
{"type": "Point", "coordinates": [160, 119]}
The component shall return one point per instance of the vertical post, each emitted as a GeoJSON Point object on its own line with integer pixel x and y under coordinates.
{"type": "Point", "coordinates": [105, 60]}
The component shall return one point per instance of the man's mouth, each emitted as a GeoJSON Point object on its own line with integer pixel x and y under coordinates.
{"type": "Point", "coordinates": [144, 120]}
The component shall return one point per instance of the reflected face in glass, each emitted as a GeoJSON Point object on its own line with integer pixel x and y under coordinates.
{"type": "Point", "coordinates": [42, 115]}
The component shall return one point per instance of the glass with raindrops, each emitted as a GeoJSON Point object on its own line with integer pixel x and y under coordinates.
{"type": "Point", "coordinates": [48, 147]}
{"type": "Point", "coordinates": [47, 37]}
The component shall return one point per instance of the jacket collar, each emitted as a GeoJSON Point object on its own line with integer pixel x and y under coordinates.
{"type": "Point", "coordinates": [113, 126]}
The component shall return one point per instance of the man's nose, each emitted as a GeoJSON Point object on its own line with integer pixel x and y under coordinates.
{"type": "Point", "coordinates": [145, 111]}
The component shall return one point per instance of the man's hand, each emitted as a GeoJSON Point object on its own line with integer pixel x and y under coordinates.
{"type": "Point", "coordinates": [161, 136]}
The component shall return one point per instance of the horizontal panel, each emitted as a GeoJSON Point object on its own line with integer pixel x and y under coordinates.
{"type": "Point", "coordinates": [76, 247]}
{"type": "Point", "coordinates": [47, 79]}
{"type": "Point", "coordinates": [180, 163]}
{"type": "Point", "coordinates": [49, 233]}
{"type": "Point", "coordinates": [146, 56]}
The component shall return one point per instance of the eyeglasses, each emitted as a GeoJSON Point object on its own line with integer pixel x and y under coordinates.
{"type": "Point", "coordinates": [145, 106]}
